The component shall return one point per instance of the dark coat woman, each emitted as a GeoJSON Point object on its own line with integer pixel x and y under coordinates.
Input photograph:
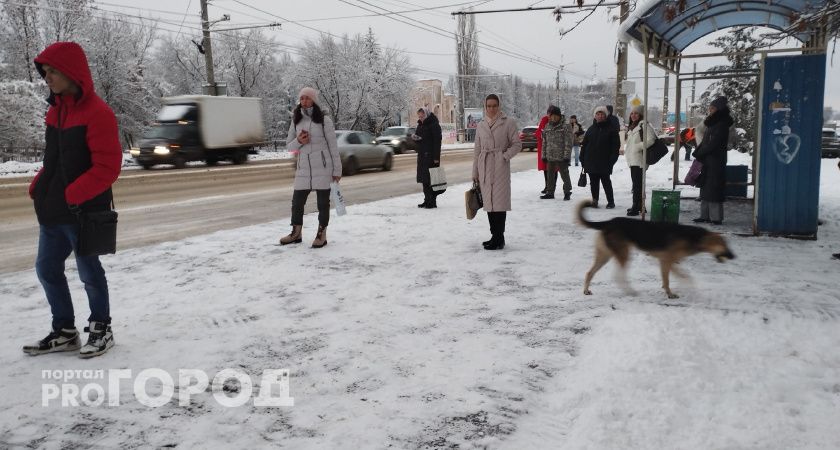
{"type": "Point", "coordinates": [712, 154]}
{"type": "Point", "coordinates": [428, 154]}
{"type": "Point", "coordinates": [599, 152]}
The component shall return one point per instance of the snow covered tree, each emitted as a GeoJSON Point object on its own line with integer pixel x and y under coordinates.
{"type": "Point", "coordinates": [22, 114]}
{"type": "Point", "coordinates": [118, 52]}
{"type": "Point", "coordinates": [742, 91]}
{"type": "Point", "coordinates": [20, 40]}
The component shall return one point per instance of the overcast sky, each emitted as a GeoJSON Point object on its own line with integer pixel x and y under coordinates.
{"type": "Point", "coordinates": [586, 52]}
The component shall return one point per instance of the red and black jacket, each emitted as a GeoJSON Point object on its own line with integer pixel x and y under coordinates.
{"type": "Point", "coordinates": [85, 129]}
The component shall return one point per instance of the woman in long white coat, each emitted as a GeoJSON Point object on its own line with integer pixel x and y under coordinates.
{"type": "Point", "coordinates": [640, 135]}
{"type": "Point", "coordinates": [312, 136]}
{"type": "Point", "coordinates": [496, 142]}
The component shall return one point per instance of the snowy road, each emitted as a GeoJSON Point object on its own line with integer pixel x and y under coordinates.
{"type": "Point", "coordinates": [166, 205]}
{"type": "Point", "coordinates": [404, 333]}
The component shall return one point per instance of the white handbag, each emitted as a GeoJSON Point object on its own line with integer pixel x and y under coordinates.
{"type": "Point", "coordinates": [438, 178]}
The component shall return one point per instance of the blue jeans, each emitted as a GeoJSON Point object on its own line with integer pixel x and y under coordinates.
{"type": "Point", "coordinates": [54, 246]}
{"type": "Point", "coordinates": [576, 149]}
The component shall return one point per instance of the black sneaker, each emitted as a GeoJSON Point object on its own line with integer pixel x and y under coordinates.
{"type": "Point", "coordinates": [567, 196]}
{"type": "Point", "coordinates": [63, 340]}
{"type": "Point", "coordinates": [547, 196]}
{"type": "Point", "coordinates": [99, 341]}
{"type": "Point", "coordinates": [610, 205]}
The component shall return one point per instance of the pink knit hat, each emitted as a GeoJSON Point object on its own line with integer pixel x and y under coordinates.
{"type": "Point", "coordinates": [309, 92]}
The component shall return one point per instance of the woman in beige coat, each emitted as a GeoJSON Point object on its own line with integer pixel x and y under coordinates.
{"type": "Point", "coordinates": [496, 142]}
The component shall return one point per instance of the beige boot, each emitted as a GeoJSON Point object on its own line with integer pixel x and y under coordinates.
{"type": "Point", "coordinates": [320, 238]}
{"type": "Point", "coordinates": [294, 237]}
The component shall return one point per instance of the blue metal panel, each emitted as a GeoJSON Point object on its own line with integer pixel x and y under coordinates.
{"type": "Point", "coordinates": [789, 167]}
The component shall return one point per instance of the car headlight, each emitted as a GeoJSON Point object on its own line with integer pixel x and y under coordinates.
{"type": "Point", "coordinates": [134, 152]}
{"type": "Point", "coordinates": [161, 150]}
{"type": "Point", "coordinates": [395, 142]}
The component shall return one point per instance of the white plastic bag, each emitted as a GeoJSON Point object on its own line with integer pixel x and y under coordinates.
{"type": "Point", "coordinates": [337, 199]}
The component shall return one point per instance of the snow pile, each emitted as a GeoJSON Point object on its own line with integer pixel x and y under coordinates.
{"type": "Point", "coordinates": [404, 332]}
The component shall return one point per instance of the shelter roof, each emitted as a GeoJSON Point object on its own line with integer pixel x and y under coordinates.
{"type": "Point", "coordinates": [682, 22]}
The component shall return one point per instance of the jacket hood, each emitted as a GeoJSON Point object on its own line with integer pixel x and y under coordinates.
{"type": "Point", "coordinates": [69, 59]}
{"type": "Point", "coordinates": [721, 115]}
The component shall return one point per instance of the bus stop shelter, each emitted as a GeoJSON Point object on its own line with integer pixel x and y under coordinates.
{"type": "Point", "coordinates": [786, 157]}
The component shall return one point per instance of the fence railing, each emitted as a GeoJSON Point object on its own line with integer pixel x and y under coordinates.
{"type": "Point", "coordinates": [21, 154]}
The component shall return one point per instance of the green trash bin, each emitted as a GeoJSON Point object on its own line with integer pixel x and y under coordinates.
{"type": "Point", "coordinates": [665, 206]}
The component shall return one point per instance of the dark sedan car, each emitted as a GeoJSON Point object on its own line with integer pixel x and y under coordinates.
{"type": "Point", "coordinates": [528, 136]}
{"type": "Point", "coordinates": [398, 138]}
{"type": "Point", "coordinates": [830, 143]}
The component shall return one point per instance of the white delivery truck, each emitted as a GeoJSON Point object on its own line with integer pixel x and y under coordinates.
{"type": "Point", "coordinates": [202, 128]}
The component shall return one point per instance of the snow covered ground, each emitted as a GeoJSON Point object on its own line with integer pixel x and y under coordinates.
{"type": "Point", "coordinates": [403, 332]}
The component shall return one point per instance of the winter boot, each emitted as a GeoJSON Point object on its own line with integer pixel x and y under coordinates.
{"type": "Point", "coordinates": [497, 242]}
{"type": "Point", "coordinates": [320, 238]}
{"type": "Point", "coordinates": [567, 196]}
{"type": "Point", "coordinates": [294, 237]}
{"type": "Point", "coordinates": [547, 196]}
{"type": "Point", "coordinates": [63, 340]}
{"type": "Point", "coordinates": [99, 341]}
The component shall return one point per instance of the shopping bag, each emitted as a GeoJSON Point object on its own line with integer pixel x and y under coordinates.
{"type": "Point", "coordinates": [438, 178]}
{"type": "Point", "coordinates": [473, 201]}
{"type": "Point", "coordinates": [582, 179]}
{"type": "Point", "coordinates": [693, 176]}
{"type": "Point", "coordinates": [337, 199]}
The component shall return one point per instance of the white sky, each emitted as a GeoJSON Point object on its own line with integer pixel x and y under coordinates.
{"type": "Point", "coordinates": [586, 51]}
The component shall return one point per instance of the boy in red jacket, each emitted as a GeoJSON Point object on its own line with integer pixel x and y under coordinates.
{"type": "Point", "coordinates": [82, 160]}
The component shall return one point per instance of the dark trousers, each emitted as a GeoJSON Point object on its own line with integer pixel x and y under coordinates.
{"type": "Point", "coordinates": [429, 194]}
{"type": "Point", "coordinates": [497, 223]}
{"type": "Point", "coordinates": [594, 180]}
{"type": "Point", "coordinates": [54, 246]}
{"type": "Point", "coordinates": [553, 169]}
{"type": "Point", "coordinates": [299, 201]}
{"type": "Point", "coordinates": [636, 176]}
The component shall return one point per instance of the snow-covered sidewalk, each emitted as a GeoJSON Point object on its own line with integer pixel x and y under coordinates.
{"type": "Point", "coordinates": [404, 332]}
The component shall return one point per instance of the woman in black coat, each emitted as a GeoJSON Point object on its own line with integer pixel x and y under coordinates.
{"type": "Point", "coordinates": [598, 154]}
{"type": "Point", "coordinates": [712, 154]}
{"type": "Point", "coordinates": [428, 136]}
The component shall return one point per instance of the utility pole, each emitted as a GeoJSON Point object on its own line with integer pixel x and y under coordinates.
{"type": "Point", "coordinates": [621, 66]}
{"type": "Point", "coordinates": [557, 87]}
{"type": "Point", "coordinates": [208, 51]}
{"type": "Point", "coordinates": [459, 50]}
{"type": "Point", "coordinates": [665, 98]}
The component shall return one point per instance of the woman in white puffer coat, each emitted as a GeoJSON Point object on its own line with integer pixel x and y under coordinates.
{"type": "Point", "coordinates": [312, 136]}
{"type": "Point", "coordinates": [640, 135]}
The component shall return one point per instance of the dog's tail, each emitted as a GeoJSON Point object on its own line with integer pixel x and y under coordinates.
{"type": "Point", "coordinates": [582, 220]}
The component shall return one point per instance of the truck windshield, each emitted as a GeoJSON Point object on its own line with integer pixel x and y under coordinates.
{"type": "Point", "coordinates": [171, 131]}
{"type": "Point", "coordinates": [394, 132]}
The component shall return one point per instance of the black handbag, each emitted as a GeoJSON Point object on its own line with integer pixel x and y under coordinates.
{"type": "Point", "coordinates": [582, 179]}
{"type": "Point", "coordinates": [656, 151]}
{"type": "Point", "coordinates": [97, 233]}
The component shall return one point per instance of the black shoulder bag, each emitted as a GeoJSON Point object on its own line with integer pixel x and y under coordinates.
{"type": "Point", "coordinates": [97, 229]}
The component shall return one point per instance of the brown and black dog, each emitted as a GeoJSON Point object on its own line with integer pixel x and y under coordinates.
{"type": "Point", "coordinates": [668, 242]}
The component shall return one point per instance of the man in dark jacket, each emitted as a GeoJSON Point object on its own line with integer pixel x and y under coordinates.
{"type": "Point", "coordinates": [428, 136]}
{"type": "Point", "coordinates": [82, 160]}
{"type": "Point", "coordinates": [712, 154]}
{"type": "Point", "coordinates": [598, 154]}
